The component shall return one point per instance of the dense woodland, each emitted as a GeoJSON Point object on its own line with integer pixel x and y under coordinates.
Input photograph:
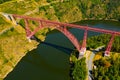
{"type": "Point", "coordinates": [2, 1]}
{"type": "Point", "coordinates": [78, 70]}
{"type": "Point", "coordinates": [103, 39]}
{"type": "Point", "coordinates": [87, 9]}
{"type": "Point", "coordinates": [65, 10]}
{"type": "Point", "coordinates": [107, 68]}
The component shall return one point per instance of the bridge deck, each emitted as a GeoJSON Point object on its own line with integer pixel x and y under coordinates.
{"type": "Point", "coordinates": [71, 25]}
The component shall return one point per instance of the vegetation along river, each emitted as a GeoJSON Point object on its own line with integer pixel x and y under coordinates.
{"type": "Point", "coordinates": [50, 61]}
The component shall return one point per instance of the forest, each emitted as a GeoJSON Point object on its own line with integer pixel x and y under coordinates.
{"type": "Point", "coordinates": [107, 68]}
{"type": "Point", "coordinates": [78, 69]}
{"type": "Point", "coordinates": [103, 39]}
{"type": "Point", "coordinates": [2, 1]}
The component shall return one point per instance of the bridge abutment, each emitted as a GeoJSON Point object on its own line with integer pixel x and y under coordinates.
{"type": "Point", "coordinates": [83, 48]}
{"type": "Point", "coordinates": [107, 53]}
{"type": "Point", "coordinates": [82, 51]}
{"type": "Point", "coordinates": [9, 17]}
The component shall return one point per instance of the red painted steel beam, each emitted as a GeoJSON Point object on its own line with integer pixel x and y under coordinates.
{"type": "Point", "coordinates": [84, 40]}
{"type": "Point", "coordinates": [27, 29]}
{"type": "Point", "coordinates": [109, 46]}
{"type": "Point", "coordinates": [36, 30]}
{"type": "Point", "coordinates": [70, 36]}
{"type": "Point", "coordinates": [70, 25]}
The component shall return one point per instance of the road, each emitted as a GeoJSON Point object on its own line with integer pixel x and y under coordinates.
{"type": "Point", "coordinates": [90, 61]}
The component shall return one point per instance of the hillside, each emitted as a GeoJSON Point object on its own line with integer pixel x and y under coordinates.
{"type": "Point", "coordinates": [64, 10]}
{"type": "Point", "coordinates": [13, 46]}
{"type": "Point", "coordinates": [13, 42]}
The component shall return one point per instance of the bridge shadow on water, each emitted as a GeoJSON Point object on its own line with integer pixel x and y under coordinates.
{"type": "Point", "coordinates": [61, 48]}
{"type": "Point", "coordinates": [36, 65]}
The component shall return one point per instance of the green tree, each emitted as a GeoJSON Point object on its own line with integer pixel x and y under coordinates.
{"type": "Point", "coordinates": [80, 71]}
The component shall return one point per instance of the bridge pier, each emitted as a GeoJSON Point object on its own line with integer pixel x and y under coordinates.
{"type": "Point", "coordinates": [83, 48]}
{"type": "Point", "coordinates": [82, 51]}
{"type": "Point", "coordinates": [32, 33]}
{"type": "Point", "coordinates": [27, 29]}
{"type": "Point", "coordinates": [107, 52]}
{"type": "Point", "coordinates": [28, 38]}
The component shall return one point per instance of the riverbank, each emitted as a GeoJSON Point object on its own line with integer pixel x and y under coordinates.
{"type": "Point", "coordinates": [14, 45]}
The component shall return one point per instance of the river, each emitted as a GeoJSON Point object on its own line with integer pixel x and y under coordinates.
{"type": "Point", "coordinates": [50, 61]}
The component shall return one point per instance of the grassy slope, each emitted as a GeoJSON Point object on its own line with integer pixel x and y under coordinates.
{"type": "Point", "coordinates": [13, 42]}
{"type": "Point", "coordinates": [13, 46]}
